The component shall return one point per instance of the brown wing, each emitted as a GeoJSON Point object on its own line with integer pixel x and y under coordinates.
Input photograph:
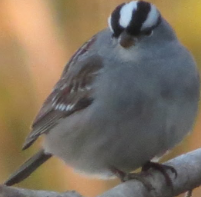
{"type": "Point", "coordinates": [72, 93]}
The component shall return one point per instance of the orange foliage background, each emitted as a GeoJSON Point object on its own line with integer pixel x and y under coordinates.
{"type": "Point", "coordinates": [37, 38]}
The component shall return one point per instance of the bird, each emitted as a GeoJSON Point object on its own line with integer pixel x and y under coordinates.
{"type": "Point", "coordinates": [128, 95]}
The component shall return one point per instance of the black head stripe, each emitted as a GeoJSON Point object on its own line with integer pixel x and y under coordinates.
{"type": "Point", "coordinates": [115, 21]}
{"type": "Point", "coordinates": [139, 16]}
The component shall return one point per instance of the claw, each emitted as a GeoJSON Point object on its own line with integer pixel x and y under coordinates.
{"type": "Point", "coordinates": [162, 168]}
{"type": "Point", "coordinates": [123, 176]}
{"type": "Point", "coordinates": [142, 179]}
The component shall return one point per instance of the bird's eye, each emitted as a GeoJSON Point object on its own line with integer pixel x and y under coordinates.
{"type": "Point", "coordinates": [148, 32]}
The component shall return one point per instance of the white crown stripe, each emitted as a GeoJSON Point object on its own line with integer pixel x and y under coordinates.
{"type": "Point", "coordinates": [126, 13]}
{"type": "Point", "coordinates": [123, 20]}
{"type": "Point", "coordinates": [152, 18]}
{"type": "Point", "coordinates": [109, 23]}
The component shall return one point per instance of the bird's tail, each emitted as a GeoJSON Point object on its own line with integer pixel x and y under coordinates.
{"type": "Point", "coordinates": [28, 167]}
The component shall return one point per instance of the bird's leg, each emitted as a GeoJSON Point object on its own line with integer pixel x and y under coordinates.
{"type": "Point", "coordinates": [123, 176]}
{"type": "Point", "coordinates": [161, 168]}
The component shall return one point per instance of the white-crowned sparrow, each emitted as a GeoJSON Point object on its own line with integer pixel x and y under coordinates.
{"type": "Point", "coordinates": [129, 94]}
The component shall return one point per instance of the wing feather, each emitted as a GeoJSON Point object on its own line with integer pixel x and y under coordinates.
{"type": "Point", "coordinates": [72, 93]}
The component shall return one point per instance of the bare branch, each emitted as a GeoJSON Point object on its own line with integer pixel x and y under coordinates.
{"type": "Point", "coordinates": [188, 167]}
{"type": "Point", "coordinates": [6, 191]}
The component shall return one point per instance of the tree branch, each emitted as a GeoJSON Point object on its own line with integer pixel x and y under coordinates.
{"type": "Point", "coordinates": [188, 167]}
{"type": "Point", "coordinates": [6, 191]}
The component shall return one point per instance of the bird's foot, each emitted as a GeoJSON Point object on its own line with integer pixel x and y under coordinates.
{"type": "Point", "coordinates": [123, 176]}
{"type": "Point", "coordinates": [161, 168]}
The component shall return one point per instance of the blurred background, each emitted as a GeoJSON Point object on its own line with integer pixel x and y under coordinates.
{"type": "Point", "coordinates": [37, 38]}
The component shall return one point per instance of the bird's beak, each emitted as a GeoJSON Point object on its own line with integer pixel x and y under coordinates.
{"type": "Point", "coordinates": [126, 40]}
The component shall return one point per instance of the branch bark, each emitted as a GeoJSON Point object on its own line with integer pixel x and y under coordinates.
{"type": "Point", "coordinates": [188, 167]}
